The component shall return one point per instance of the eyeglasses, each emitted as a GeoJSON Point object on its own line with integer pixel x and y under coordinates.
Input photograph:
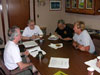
{"type": "Point", "coordinates": [31, 24]}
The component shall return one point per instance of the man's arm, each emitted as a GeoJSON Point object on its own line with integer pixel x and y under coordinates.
{"type": "Point", "coordinates": [23, 65]}
{"type": "Point", "coordinates": [58, 35]}
{"type": "Point", "coordinates": [81, 47]}
{"type": "Point", "coordinates": [75, 44]}
{"type": "Point", "coordinates": [26, 38]}
{"type": "Point", "coordinates": [29, 38]}
{"type": "Point", "coordinates": [67, 39]}
{"type": "Point", "coordinates": [84, 48]}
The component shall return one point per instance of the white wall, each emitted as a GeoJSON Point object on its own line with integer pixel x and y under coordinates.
{"type": "Point", "coordinates": [47, 18]}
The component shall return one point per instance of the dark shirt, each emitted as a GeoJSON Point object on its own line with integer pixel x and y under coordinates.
{"type": "Point", "coordinates": [66, 32]}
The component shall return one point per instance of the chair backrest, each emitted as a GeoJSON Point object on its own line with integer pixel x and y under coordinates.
{"type": "Point", "coordinates": [1, 41]}
{"type": "Point", "coordinates": [3, 68]}
{"type": "Point", "coordinates": [43, 30]}
{"type": "Point", "coordinates": [97, 45]}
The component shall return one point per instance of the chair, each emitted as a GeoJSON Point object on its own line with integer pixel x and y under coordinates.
{"type": "Point", "coordinates": [97, 45]}
{"type": "Point", "coordinates": [1, 41]}
{"type": "Point", "coordinates": [70, 25]}
{"type": "Point", "coordinates": [43, 30]}
{"type": "Point", "coordinates": [5, 71]}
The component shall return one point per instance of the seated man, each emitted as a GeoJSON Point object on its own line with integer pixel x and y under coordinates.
{"type": "Point", "coordinates": [81, 38]}
{"type": "Point", "coordinates": [12, 57]}
{"type": "Point", "coordinates": [63, 32]}
{"type": "Point", "coordinates": [32, 31]}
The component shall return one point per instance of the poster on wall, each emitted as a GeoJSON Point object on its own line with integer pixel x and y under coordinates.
{"type": "Point", "coordinates": [55, 4]}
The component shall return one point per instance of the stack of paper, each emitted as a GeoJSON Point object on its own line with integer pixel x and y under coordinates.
{"type": "Point", "coordinates": [53, 37]}
{"type": "Point", "coordinates": [92, 63]}
{"type": "Point", "coordinates": [59, 63]}
{"type": "Point", "coordinates": [30, 44]}
{"type": "Point", "coordinates": [34, 51]}
{"type": "Point", "coordinates": [56, 46]}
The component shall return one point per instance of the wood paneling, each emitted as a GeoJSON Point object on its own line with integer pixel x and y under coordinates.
{"type": "Point", "coordinates": [18, 12]}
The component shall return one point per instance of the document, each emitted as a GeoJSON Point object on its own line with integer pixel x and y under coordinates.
{"type": "Point", "coordinates": [29, 44]}
{"type": "Point", "coordinates": [34, 51]}
{"type": "Point", "coordinates": [92, 63]}
{"type": "Point", "coordinates": [59, 63]}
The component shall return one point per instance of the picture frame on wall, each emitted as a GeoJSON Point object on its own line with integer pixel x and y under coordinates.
{"type": "Point", "coordinates": [55, 5]}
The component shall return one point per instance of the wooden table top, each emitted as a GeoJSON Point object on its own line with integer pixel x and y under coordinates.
{"type": "Point", "coordinates": [76, 59]}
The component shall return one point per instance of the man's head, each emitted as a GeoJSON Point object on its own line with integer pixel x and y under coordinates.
{"type": "Point", "coordinates": [61, 24]}
{"type": "Point", "coordinates": [14, 34]}
{"type": "Point", "coordinates": [31, 24]}
{"type": "Point", "coordinates": [79, 26]}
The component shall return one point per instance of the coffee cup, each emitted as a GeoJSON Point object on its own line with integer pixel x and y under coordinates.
{"type": "Point", "coordinates": [90, 70]}
{"type": "Point", "coordinates": [98, 59]}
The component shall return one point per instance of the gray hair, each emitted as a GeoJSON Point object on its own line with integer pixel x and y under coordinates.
{"type": "Point", "coordinates": [61, 21]}
{"type": "Point", "coordinates": [29, 21]}
{"type": "Point", "coordinates": [12, 33]}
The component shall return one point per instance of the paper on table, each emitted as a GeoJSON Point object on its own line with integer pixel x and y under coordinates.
{"type": "Point", "coordinates": [59, 63]}
{"type": "Point", "coordinates": [53, 37]}
{"type": "Point", "coordinates": [34, 51]}
{"type": "Point", "coordinates": [55, 45]}
{"type": "Point", "coordinates": [92, 63]}
{"type": "Point", "coordinates": [30, 44]}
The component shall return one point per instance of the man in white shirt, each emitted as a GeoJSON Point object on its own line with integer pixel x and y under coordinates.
{"type": "Point", "coordinates": [82, 39]}
{"type": "Point", "coordinates": [32, 31]}
{"type": "Point", "coordinates": [12, 57]}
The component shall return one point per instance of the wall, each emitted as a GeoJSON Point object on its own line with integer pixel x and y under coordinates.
{"type": "Point", "coordinates": [5, 18]}
{"type": "Point", "coordinates": [1, 34]}
{"type": "Point", "coordinates": [46, 17]}
{"type": "Point", "coordinates": [31, 10]}
{"type": "Point", "coordinates": [49, 18]}
{"type": "Point", "coordinates": [5, 22]}
{"type": "Point", "coordinates": [91, 21]}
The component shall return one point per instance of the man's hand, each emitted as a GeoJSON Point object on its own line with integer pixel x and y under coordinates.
{"type": "Point", "coordinates": [33, 37]}
{"type": "Point", "coordinates": [67, 39]}
{"type": "Point", "coordinates": [75, 44]}
{"type": "Point", "coordinates": [98, 64]}
{"type": "Point", "coordinates": [81, 47]}
{"type": "Point", "coordinates": [26, 53]}
{"type": "Point", "coordinates": [59, 37]}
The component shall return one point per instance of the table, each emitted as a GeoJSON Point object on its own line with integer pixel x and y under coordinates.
{"type": "Point", "coordinates": [76, 59]}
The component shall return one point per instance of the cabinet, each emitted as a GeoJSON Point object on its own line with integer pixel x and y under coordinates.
{"type": "Point", "coordinates": [83, 6]}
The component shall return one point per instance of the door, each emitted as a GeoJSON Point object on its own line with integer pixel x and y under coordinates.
{"type": "Point", "coordinates": [18, 12]}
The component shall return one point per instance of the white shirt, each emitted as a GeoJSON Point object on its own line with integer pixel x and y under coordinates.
{"type": "Point", "coordinates": [36, 31]}
{"type": "Point", "coordinates": [11, 55]}
{"type": "Point", "coordinates": [85, 40]}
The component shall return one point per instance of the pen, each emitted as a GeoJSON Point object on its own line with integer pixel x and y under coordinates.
{"type": "Point", "coordinates": [34, 51]}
